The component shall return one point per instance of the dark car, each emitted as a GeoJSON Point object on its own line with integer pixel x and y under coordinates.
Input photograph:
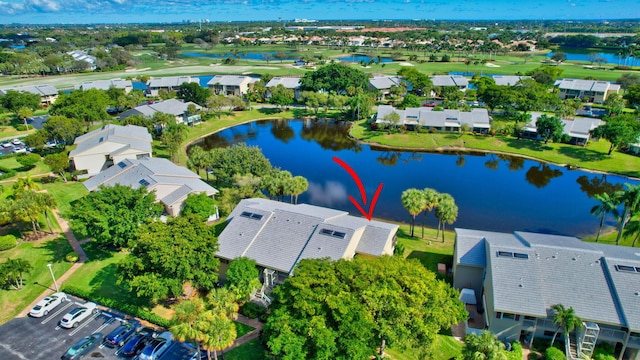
{"type": "Point", "coordinates": [137, 342]}
{"type": "Point", "coordinates": [82, 347]}
{"type": "Point", "coordinates": [121, 334]}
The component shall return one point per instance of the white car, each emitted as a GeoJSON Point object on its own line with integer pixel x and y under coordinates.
{"type": "Point", "coordinates": [47, 304]}
{"type": "Point", "coordinates": [75, 316]}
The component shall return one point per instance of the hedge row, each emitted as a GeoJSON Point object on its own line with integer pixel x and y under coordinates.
{"type": "Point", "coordinates": [117, 305]}
{"type": "Point", "coordinates": [6, 172]}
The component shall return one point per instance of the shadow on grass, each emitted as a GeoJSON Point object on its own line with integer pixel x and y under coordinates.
{"type": "Point", "coordinates": [269, 111]}
{"type": "Point", "coordinates": [95, 252]}
{"type": "Point", "coordinates": [527, 144]}
{"type": "Point", "coordinates": [104, 284]}
{"type": "Point", "coordinates": [581, 153]}
{"type": "Point", "coordinates": [431, 260]}
{"type": "Point", "coordinates": [58, 248]}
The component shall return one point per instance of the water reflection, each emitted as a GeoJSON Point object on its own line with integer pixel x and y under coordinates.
{"type": "Point", "coordinates": [389, 158]}
{"type": "Point", "coordinates": [597, 184]}
{"type": "Point", "coordinates": [282, 131]}
{"type": "Point", "coordinates": [330, 134]}
{"type": "Point", "coordinates": [541, 175]}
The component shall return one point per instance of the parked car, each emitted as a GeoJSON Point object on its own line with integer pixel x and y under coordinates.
{"type": "Point", "coordinates": [82, 347]}
{"type": "Point", "coordinates": [180, 351]}
{"type": "Point", "coordinates": [121, 334]}
{"type": "Point", "coordinates": [137, 342]}
{"type": "Point", "coordinates": [75, 316]}
{"type": "Point", "coordinates": [156, 347]}
{"type": "Point", "coordinates": [47, 304]}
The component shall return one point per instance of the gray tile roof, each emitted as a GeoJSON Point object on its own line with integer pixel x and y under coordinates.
{"type": "Point", "coordinates": [384, 82]}
{"type": "Point", "coordinates": [130, 136]}
{"type": "Point", "coordinates": [450, 80]}
{"type": "Point", "coordinates": [287, 82]}
{"type": "Point", "coordinates": [231, 80]}
{"type": "Point", "coordinates": [40, 90]}
{"type": "Point", "coordinates": [508, 80]}
{"type": "Point", "coordinates": [171, 81]}
{"type": "Point", "coordinates": [586, 85]}
{"type": "Point", "coordinates": [287, 233]}
{"type": "Point", "coordinates": [425, 116]}
{"type": "Point", "coordinates": [558, 270]}
{"type": "Point", "coordinates": [37, 121]}
{"type": "Point", "coordinates": [106, 84]}
{"type": "Point", "coordinates": [578, 127]}
{"type": "Point", "coordinates": [174, 107]}
{"type": "Point", "coordinates": [156, 172]}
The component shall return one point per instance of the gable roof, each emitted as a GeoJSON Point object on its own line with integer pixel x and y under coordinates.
{"type": "Point", "coordinates": [385, 82]}
{"type": "Point", "coordinates": [171, 81]}
{"type": "Point", "coordinates": [508, 80]}
{"type": "Point", "coordinates": [231, 80]}
{"type": "Point", "coordinates": [578, 127]}
{"type": "Point", "coordinates": [130, 136]}
{"type": "Point", "coordinates": [586, 85]}
{"type": "Point", "coordinates": [106, 84]}
{"type": "Point", "coordinates": [554, 269]}
{"type": "Point", "coordinates": [40, 90]}
{"type": "Point", "coordinates": [287, 82]}
{"type": "Point", "coordinates": [176, 181]}
{"type": "Point", "coordinates": [425, 116]}
{"type": "Point", "coordinates": [449, 80]}
{"type": "Point", "coordinates": [174, 107]}
{"type": "Point", "coordinates": [281, 234]}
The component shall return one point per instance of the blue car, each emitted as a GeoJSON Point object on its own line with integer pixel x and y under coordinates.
{"type": "Point", "coordinates": [137, 342]}
{"type": "Point", "coordinates": [121, 334]}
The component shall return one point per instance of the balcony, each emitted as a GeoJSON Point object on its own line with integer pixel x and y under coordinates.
{"type": "Point", "coordinates": [611, 334]}
{"type": "Point", "coordinates": [634, 341]}
{"type": "Point", "coordinates": [528, 325]}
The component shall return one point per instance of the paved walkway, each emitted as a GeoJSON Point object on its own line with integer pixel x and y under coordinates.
{"type": "Point", "coordinates": [76, 247]}
{"type": "Point", "coordinates": [254, 334]}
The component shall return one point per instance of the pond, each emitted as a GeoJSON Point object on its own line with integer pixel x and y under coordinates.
{"type": "Point", "coordinates": [609, 58]}
{"type": "Point", "coordinates": [360, 58]}
{"type": "Point", "coordinates": [493, 192]}
{"type": "Point", "coordinates": [241, 55]}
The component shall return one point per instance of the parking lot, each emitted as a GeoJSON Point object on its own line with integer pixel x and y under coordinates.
{"type": "Point", "coordinates": [30, 338]}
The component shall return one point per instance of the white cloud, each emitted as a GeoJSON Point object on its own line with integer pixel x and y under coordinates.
{"type": "Point", "coordinates": [10, 7]}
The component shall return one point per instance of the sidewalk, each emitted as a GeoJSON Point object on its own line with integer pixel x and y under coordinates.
{"type": "Point", "coordinates": [76, 247]}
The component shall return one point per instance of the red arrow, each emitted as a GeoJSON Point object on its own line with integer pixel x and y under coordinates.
{"type": "Point", "coordinates": [363, 194]}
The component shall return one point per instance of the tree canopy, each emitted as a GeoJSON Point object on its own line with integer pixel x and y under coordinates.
{"type": "Point", "coordinates": [15, 100]}
{"type": "Point", "coordinates": [194, 92]}
{"type": "Point", "coordinates": [89, 106]}
{"type": "Point", "coordinates": [421, 84]}
{"type": "Point", "coordinates": [345, 309]}
{"type": "Point", "coordinates": [200, 205]}
{"type": "Point", "coordinates": [243, 277]}
{"type": "Point", "coordinates": [549, 128]}
{"type": "Point", "coordinates": [168, 255]}
{"type": "Point", "coordinates": [619, 130]}
{"type": "Point", "coordinates": [238, 159]}
{"type": "Point", "coordinates": [336, 78]}
{"type": "Point", "coordinates": [111, 216]}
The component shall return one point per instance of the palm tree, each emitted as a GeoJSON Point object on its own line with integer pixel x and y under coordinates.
{"type": "Point", "coordinates": [633, 229]}
{"type": "Point", "coordinates": [566, 319]}
{"type": "Point", "coordinates": [222, 301]}
{"type": "Point", "coordinates": [46, 203]}
{"type": "Point", "coordinates": [188, 321]}
{"type": "Point", "coordinates": [483, 346]}
{"type": "Point", "coordinates": [301, 184]}
{"type": "Point", "coordinates": [198, 160]}
{"type": "Point", "coordinates": [29, 206]}
{"type": "Point", "coordinates": [446, 212]}
{"type": "Point", "coordinates": [16, 270]}
{"type": "Point", "coordinates": [630, 199]}
{"type": "Point", "coordinates": [219, 334]}
{"type": "Point", "coordinates": [431, 198]}
{"type": "Point", "coordinates": [608, 204]}
{"type": "Point", "coordinates": [24, 113]}
{"type": "Point", "coordinates": [23, 184]}
{"type": "Point", "coordinates": [414, 201]}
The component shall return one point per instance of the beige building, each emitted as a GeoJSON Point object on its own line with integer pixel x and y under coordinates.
{"type": "Point", "coordinates": [593, 91]}
{"type": "Point", "coordinates": [48, 94]}
{"type": "Point", "coordinates": [237, 85]}
{"type": "Point", "coordinates": [99, 149]}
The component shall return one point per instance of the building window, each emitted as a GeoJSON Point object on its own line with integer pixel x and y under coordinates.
{"type": "Point", "coordinates": [507, 316]}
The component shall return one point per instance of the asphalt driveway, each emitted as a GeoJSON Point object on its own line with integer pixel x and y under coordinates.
{"type": "Point", "coordinates": [27, 338]}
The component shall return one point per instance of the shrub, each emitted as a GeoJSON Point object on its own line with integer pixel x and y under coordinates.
{"type": "Point", "coordinates": [553, 353]}
{"type": "Point", "coordinates": [399, 250]}
{"type": "Point", "coordinates": [8, 242]}
{"type": "Point", "coordinates": [6, 172]}
{"type": "Point", "coordinates": [516, 351]}
{"type": "Point", "coordinates": [72, 257]}
{"type": "Point", "coordinates": [253, 310]}
{"type": "Point", "coordinates": [604, 351]}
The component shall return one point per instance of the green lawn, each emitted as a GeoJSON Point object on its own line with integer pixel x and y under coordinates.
{"type": "Point", "coordinates": [65, 193]}
{"type": "Point", "coordinates": [21, 171]}
{"type": "Point", "coordinates": [445, 348]}
{"type": "Point", "coordinates": [251, 350]}
{"type": "Point", "coordinates": [242, 329]}
{"type": "Point", "coordinates": [39, 254]}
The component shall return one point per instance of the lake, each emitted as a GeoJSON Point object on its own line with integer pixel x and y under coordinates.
{"type": "Point", "coordinates": [493, 192]}
{"type": "Point", "coordinates": [365, 58]}
{"type": "Point", "coordinates": [610, 58]}
{"type": "Point", "coordinates": [241, 55]}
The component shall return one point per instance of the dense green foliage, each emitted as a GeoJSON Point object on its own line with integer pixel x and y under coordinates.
{"type": "Point", "coordinates": [111, 215]}
{"type": "Point", "coordinates": [553, 353]}
{"type": "Point", "coordinates": [619, 130]}
{"type": "Point", "coordinates": [335, 77]}
{"type": "Point", "coordinates": [199, 205]}
{"type": "Point", "coordinates": [194, 92]}
{"type": "Point", "coordinates": [243, 277]}
{"type": "Point", "coordinates": [238, 159]}
{"type": "Point", "coordinates": [344, 309]}
{"type": "Point", "coordinates": [88, 106]}
{"type": "Point", "coordinates": [168, 255]}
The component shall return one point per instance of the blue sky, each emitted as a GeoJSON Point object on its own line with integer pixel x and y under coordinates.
{"type": "Point", "coordinates": [143, 11]}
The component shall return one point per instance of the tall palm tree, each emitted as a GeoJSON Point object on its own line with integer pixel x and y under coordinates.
{"type": "Point", "coordinates": [188, 321]}
{"type": "Point", "coordinates": [414, 201]}
{"type": "Point", "coordinates": [219, 334]}
{"type": "Point", "coordinates": [16, 270]}
{"type": "Point", "coordinates": [46, 203]}
{"type": "Point", "coordinates": [446, 212]}
{"type": "Point", "coordinates": [197, 159]}
{"type": "Point", "coordinates": [29, 207]}
{"type": "Point", "coordinates": [630, 199]}
{"type": "Point", "coordinates": [566, 319]}
{"type": "Point", "coordinates": [24, 184]}
{"type": "Point", "coordinates": [301, 184]}
{"type": "Point", "coordinates": [431, 198]}
{"type": "Point", "coordinates": [633, 229]}
{"type": "Point", "coordinates": [607, 204]}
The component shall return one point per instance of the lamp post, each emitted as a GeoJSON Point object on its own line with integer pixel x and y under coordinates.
{"type": "Point", "coordinates": [53, 277]}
